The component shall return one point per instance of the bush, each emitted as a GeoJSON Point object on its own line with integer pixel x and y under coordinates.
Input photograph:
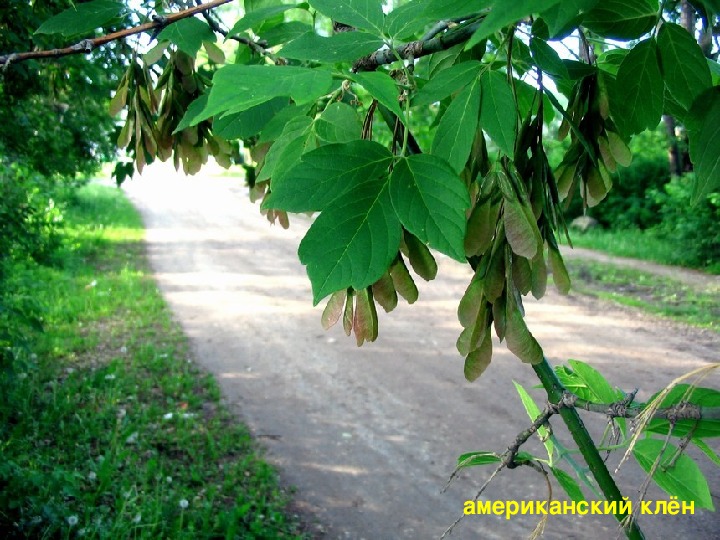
{"type": "Point", "coordinates": [30, 222]}
{"type": "Point", "coordinates": [694, 229]}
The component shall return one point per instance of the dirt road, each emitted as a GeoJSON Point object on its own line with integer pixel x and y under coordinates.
{"type": "Point", "coordinates": [369, 436]}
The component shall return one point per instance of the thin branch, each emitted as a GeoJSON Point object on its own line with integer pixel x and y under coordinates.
{"type": "Point", "coordinates": [622, 409]}
{"type": "Point", "coordinates": [86, 46]}
{"type": "Point", "coordinates": [416, 49]}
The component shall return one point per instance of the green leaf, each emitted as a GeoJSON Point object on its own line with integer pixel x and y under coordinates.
{"type": "Point", "coordinates": [547, 59]}
{"type": "Point", "coordinates": [326, 173]}
{"type": "Point", "coordinates": [406, 21]}
{"type": "Point", "coordinates": [194, 109]}
{"type": "Point", "coordinates": [447, 82]}
{"type": "Point", "coordinates": [568, 483]}
{"type": "Point", "coordinates": [705, 147]}
{"type": "Point", "coordinates": [474, 459]}
{"type": "Point", "coordinates": [338, 123]}
{"type": "Point", "coordinates": [709, 452]}
{"type": "Point", "coordinates": [353, 241]}
{"type": "Point", "coordinates": [637, 94]}
{"type": "Point", "coordinates": [342, 47]}
{"type": "Point", "coordinates": [381, 87]}
{"type": "Point", "coordinates": [534, 412]}
{"type": "Point", "coordinates": [704, 397]}
{"type": "Point", "coordinates": [362, 14]}
{"type": "Point", "coordinates": [451, 9]}
{"type": "Point", "coordinates": [497, 111]}
{"type": "Point", "coordinates": [687, 74]}
{"type": "Point", "coordinates": [248, 123]}
{"type": "Point", "coordinates": [683, 479]}
{"type": "Point", "coordinates": [564, 16]}
{"type": "Point", "coordinates": [188, 35]}
{"type": "Point", "coordinates": [285, 32]}
{"type": "Point", "coordinates": [601, 390]}
{"type": "Point", "coordinates": [622, 19]}
{"type": "Point", "coordinates": [81, 18]}
{"type": "Point", "coordinates": [286, 150]}
{"type": "Point", "coordinates": [455, 134]}
{"type": "Point", "coordinates": [430, 200]}
{"type": "Point", "coordinates": [237, 88]}
{"type": "Point", "coordinates": [257, 16]}
{"type": "Point", "coordinates": [504, 14]}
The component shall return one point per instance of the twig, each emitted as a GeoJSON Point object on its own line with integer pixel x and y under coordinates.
{"type": "Point", "coordinates": [86, 46]}
{"type": "Point", "coordinates": [416, 49]}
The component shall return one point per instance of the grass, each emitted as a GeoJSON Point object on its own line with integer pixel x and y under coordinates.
{"type": "Point", "coordinates": [636, 244]}
{"type": "Point", "coordinates": [107, 428]}
{"type": "Point", "coordinates": [658, 295]}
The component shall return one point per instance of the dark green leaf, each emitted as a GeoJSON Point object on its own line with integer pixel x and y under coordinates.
{"type": "Point", "coordinates": [338, 123]}
{"type": "Point", "coordinates": [568, 483]}
{"type": "Point", "coordinates": [81, 18]}
{"type": "Point", "coordinates": [683, 479]}
{"type": "Point", "coordinates": [455, 134]}
{"type": "Point", "coordinates": [195, 108]}
{"type": "Point", "coordinates": [622, 19]}
{"type": "Point", "coordinates": [504, 14]}
{"type": "Point", "coordinates": [248, 123]}
{"type": "Point", "coordinates": [430, 201]}
{"type": "Point", "coordinates": [498, 116]}
{"type": "Point", "coordinates": [328, 172]}
{"type": "Point", "coordinates": [362, 14]}
{"type": "Point", "coordinates": [406, 21]}
{"type": "Point", "coordinates": [447, 82]}
{"type": "Point", "coordinates": [383, 88]}
{"type": "Point", "coordinates": [285, 32]}
{"type": "Point", "coordinates": [564, 16]}
{"type": "Point", "coordinates": [548, 59]}
{"type": "Point", "coordinates": [353, 241]}
{"type": "Point", "coordinates": [237, 88]}
{"type": "Point", "coordinates": [687, 74]}
{"type": "Point", "coordinates": [705, 146]}
{"type": "Point", "coordinates": [637, 94]}
{"type": "Point", "coordinates": [343, 47]}
{"type": "Point", "coordinates": [188, 35]}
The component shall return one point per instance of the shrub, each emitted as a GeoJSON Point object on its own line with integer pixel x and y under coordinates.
{"type": "Point", "coordinates": [692, 228]}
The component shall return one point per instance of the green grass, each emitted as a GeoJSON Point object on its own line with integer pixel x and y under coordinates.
{"type": "Point", "coordinates": [658, 295]}
{"type": "Point", "coordinates": [636, 244]}
{"type": "Point", "coordinates": [107, 428]}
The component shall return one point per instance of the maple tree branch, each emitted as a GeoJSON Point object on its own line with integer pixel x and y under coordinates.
{"type": "Point", "coordinates": [86, 46]}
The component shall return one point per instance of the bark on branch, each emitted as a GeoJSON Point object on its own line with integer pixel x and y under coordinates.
{"type": "Point", "coordinates": [86, 46]}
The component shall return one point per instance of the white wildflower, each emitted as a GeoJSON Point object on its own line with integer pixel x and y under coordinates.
{"type": "Point", "coordinates": [92, 476]}
{"type": "Point", "coordinates": [183, 503]}
{"type": "Point", "coordinates": [72, 520]}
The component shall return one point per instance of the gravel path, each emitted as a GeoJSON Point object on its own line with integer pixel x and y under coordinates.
{"type": "Point", "coordinates": [369, 436]}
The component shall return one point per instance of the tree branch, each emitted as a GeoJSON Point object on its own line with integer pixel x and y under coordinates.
{"type": "Point", "coordinates": [621, 409]}
{"type": "Point", "coordinates": [86, 46]}
{"type": "Point", "coordinates": [416, 49]}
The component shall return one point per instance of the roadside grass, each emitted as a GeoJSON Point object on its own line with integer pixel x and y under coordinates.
{"type": "Point", "coordinates": [108, 429]}
{"type": "Point", "coordinates": [636, 244]}
{"type": "Point", "coordinates": [658, 295]}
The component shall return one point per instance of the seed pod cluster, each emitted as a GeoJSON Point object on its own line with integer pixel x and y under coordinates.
{"type": "Point", "coordinates": [154, 114]}
{"type": "Point", "coordinates": [357, 308]}
{"type": "Point", "coordinates": [596, 148]}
